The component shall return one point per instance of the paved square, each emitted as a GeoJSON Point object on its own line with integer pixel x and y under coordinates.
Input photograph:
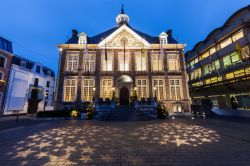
{"type": "Point", "coordinates": [167, 142]}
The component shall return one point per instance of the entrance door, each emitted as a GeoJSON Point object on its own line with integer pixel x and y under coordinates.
{"type": "Point", "coordinates": [124, 96]}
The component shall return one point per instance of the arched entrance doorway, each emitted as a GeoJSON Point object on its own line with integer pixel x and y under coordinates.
{"type": "Point", "coordinates": [124, 84]}
{"type": "Point", "coordinates": [124, 96]}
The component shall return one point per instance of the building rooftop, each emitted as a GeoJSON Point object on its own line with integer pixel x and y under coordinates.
{"type": "Point", "coordinates": [236, 18]}
{"type": "Point", "coordinates": [99, 37]}
{"type": "Point", "coordinates": [121, 19]}
{"type": "Point", "coordinates": [29, 65]}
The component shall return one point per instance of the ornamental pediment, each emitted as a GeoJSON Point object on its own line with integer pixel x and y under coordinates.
{"type": "Point", "coordinates": [124, 36]}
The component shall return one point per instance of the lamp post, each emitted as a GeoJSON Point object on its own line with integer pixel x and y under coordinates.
{"type": "Point", "coordinates": [155, 93]}
{"type": "Point", "coordinates": [93, 99]}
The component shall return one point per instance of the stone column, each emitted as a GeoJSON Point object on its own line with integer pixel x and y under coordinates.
{"type": "Point", "coordinates": [79, 78]}
{"type": "Point", "coordinates": [97, 74]}
{"type": "Point", "coordinates": [151, 95]}
{"type": "Point", "coordinates": [60, 83]}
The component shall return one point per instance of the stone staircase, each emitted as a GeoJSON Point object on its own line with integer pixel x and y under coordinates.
{"type": "Point", "coordinates": [124, 113]}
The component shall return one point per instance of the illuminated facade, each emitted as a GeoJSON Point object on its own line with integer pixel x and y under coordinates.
{"type": "Point", "coordinates": [123, 60]}
{"type": "Point", "coordinates": [219, 66]}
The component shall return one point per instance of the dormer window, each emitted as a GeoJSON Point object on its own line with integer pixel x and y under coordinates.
{"type": "Point", "coordinates": [38, 69]}
{"type": "Point", "coordinates": [49, 72]}
{"type": "Point", "coordinates": [82, 38]}
{"type": "Point", "coordinates": [23, 63]}
{"type": "Point", "coordinates": [163, 38]}
{"type": "Point", "coordinates": [163, 41]}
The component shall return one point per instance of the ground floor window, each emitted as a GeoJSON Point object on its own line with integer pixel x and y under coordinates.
{"type": "Point", "coordinates": [241, 101]}
{"type": "Point", "coordinates": [70, 89]}
{"type": "Point", "coordinates": [142, 87]}
{"type": "Point", "coordinates": [177, 108]}
{"type": "Point", "coordinates": [159, 88]}
{"type": "Point", "coordinates": [106, 88]}
{"type": "Point", "coordinates": [87, 89]}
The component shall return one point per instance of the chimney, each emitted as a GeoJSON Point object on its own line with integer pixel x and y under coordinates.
{"type": "Point", "coordinates": [169, 32]}
{"type": "Point", "coordinates": [74, 33]}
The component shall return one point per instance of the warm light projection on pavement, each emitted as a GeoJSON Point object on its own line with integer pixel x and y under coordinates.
{"type": "Point", "coordinates": [179, 134]}
{"type": "Point", "coordinates": [106, 143]}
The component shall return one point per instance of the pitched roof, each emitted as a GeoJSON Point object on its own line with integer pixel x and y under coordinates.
{"type": "Point", "coordinates": [98, 38]}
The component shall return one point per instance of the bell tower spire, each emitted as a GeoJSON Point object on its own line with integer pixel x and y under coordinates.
{"type": "Point", "coordinates": [122, 18]}
{"type": "Point", "coordinates": [122, 9]}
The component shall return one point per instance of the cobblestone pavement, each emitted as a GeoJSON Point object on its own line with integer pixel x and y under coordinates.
{"type": "Point", "coordinates": [164, 142]}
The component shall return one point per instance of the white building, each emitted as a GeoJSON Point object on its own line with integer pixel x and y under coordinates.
{"type": "Point", "coordinates": [30, 88]}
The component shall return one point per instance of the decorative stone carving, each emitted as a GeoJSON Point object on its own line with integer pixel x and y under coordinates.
{"type": "Point", "coordinates": [130, 41]}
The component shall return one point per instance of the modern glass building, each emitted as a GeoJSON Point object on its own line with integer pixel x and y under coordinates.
{"type": "Point", "coordinates": [219, 67]}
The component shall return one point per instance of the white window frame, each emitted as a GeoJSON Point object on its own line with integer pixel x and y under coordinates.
{"type": "Point", "coordinates": [157, 59]}
{"type": "Point", "coordinates": [140, 62]}
{"type": "Point", "coordinates": [72, 61]}
{"type": "Point", "coordinates": [109, 63]}
{"type": "Point", "coordinates": [122, 63]}
{"type": "Point", "coordinates": [140, 87]}
{"type": "Point", "coordinates": [177, 108]}
{"type": "Point", "coordinates": [87, 89]}
{"type": "Point", "coordinates": [89, 58]}
{"type": "Point", "coordinates": [163, 40]}
{"type": "Point", "coordinates": [106, 90]}
{"type": "Point", "coordinates": [23, 63]}
{"type": "Point", "coordinates": [158, 87]}
{"type": "Point", "coordinates": [173, 58]}
{"type": "Point", "coordinates": [175, 80]}
{"type": "Point", "coordinates": [82, 38]}
{"type": "Point", "coordinates": [71, 99]}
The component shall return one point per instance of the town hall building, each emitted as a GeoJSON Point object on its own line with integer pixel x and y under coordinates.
{"type": "Point", "coordinates": [122, 60]}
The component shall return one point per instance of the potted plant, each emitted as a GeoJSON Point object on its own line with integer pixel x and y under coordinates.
{"type": "Point", "coordinates": [161, 111]}
{"type": "Point", "coordinates": [90, 111]}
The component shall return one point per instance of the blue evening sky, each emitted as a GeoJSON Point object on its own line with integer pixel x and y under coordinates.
{"type": "Point", "coordinates": [36, 26]}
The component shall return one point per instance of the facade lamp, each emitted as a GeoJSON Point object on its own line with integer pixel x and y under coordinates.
{"type": "Point", "coordinates": [155, 92]}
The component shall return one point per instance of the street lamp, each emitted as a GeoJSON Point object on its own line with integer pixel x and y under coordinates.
{"type": "Point", "coordinates": [155, 93]}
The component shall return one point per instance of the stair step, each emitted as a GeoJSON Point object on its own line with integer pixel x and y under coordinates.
{"type": "Point", "coordinates": [124, 113]}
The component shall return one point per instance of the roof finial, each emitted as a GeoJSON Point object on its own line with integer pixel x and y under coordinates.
{"type": "Point", "coordinates": [122, 10]}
